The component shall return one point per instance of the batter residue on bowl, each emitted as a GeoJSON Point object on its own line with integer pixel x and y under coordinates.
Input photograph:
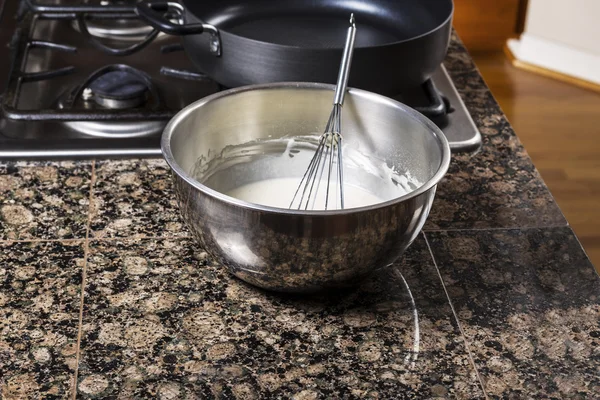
{"type": "Point", "coordinates": [268, 172]}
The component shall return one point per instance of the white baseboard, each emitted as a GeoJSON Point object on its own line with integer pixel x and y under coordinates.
{"type": "Point", "coordinates": [557, 57]}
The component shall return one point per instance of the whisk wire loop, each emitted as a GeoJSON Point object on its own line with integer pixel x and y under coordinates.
{"type": "Point", "coordinates": [328, 153]}
{"type": "Point", "coordinates": [329, 149]}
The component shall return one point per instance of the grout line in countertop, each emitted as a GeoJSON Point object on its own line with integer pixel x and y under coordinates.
{"type": "Point", "coordinates": [83, 278]}
{"type": "Point", "coordinates": [96, 239]}
{"type": "Point", "coordinates": [462, 332]}
{"type": "Point", "coordinates": [42, 240]}
{"type": "Point", "coordinates": [112, 238]}
{"type": "Point", "coordinates": [497, 229]}
{"type": "Point", "coordinates": [143, 237]}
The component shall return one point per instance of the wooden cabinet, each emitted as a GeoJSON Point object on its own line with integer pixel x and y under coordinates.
{"type": "Point", "coordinates": [484, 25]}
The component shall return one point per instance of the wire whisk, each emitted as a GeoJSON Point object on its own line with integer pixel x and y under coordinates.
{"type": "Point", "coordinates": [329, 149]}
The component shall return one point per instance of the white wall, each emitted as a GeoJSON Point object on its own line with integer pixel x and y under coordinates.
{"type": "Point", "coordinates": [575, 23]}
{"type": "Point", "coordinates": [562, 36]}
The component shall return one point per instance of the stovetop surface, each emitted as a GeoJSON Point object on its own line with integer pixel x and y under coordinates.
{"type": "Point", "coordinates": [55, 139]}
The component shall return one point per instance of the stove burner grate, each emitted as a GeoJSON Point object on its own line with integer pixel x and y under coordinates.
{"type": "Point", "coordinates": [21, 46]}
{"type": "Point", "coordinates": [105, 120]}
{"type": "Point", "coordinates": [129, 107]}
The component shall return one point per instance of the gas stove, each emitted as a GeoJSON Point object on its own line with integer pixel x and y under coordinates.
{"type": "Point", "coordinates": [90, 80]}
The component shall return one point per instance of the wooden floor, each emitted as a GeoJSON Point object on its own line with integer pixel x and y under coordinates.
{"type": "Point", "coordinates": [559, 124]}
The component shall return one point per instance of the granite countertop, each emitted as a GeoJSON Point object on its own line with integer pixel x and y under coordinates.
{"type": "Point", "coordinates": [104, 294]}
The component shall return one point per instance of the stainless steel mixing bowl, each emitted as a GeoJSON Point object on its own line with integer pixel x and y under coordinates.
{"type": "Point", "coordinates": [299, 251]}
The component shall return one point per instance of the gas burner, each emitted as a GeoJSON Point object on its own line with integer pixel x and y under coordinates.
{"type": "Point", "coordinates": [132, 30]}
{"type": "Point", "coordinates": [117, 23]}
{"type": "Point", "coordinates": [117, 90]}
{"type": "Point", "coordinates": [124, 29]}
{"type": "Point", "coordinates": [115, 87]}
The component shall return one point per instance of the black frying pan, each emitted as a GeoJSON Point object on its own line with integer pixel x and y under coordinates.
{"type": "Point", "coordinates": [399, 43]}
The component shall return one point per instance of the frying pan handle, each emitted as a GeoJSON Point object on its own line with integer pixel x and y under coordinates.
{"type": "Point", "coordinates": [153, 12]}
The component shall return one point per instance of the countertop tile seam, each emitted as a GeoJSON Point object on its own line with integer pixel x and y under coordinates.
{"type": "Point", "coordinates": [462, 332]}
{"type": "Point", "coordinates": [127, 238]}
{"type": "Point", "coordinates": [69, 240]}
{"type": "Point", "coordinates": [83, 278]}
{"type": "Point", "coordinates": [498, 229]}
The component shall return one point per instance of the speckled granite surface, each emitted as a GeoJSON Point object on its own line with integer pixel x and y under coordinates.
{"type": "Point", "coordinates": [528, 302]}
{"type": "Point", "coordinates": [44, 200]}
{"type": "Point", "coordinates": [104, 295]}
{"type": "Point", "coordinates": [40, 301]}
{"type": "Point", "coordinates": [134, 199]}
{"type": "Point", "coordinates": [498, 187]}
{"type": "Point", "coordinates": [154, 322]}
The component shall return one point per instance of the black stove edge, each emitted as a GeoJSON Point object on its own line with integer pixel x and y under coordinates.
{"type": "Point", "coordinates": [104, 154]}
{"type": "Point", "coordinates": [80, 149]}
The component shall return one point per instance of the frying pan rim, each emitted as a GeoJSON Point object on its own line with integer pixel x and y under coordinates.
{"type": "Point", "coordinates": [237, 37]}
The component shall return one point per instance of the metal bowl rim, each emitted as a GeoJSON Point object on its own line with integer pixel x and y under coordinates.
{"type": "Point", "coordinates": [185, 112]}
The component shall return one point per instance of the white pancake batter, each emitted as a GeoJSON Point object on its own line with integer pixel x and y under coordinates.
{"type": "Point", "coordinates": [279, 192]}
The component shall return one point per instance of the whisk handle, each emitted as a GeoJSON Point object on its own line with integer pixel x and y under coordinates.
{"type": "Point", "coordinates": [342, 81]}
